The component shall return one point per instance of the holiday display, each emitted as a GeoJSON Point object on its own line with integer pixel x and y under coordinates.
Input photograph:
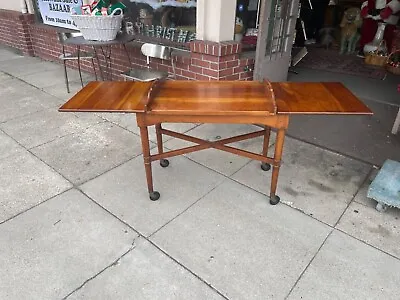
{"type": "Point", "coordinates": [100, 8]}
{"type": "Point", "coordinates": [172, 20]}
{"type": "Point", "coordinates": [99, 21]}
{"type": "Point", "coordinates": [380, 19]}
{"type": "Point", "coordinates": [379, 56]}
{"type": "Point", "coordinates": [393, 64]}
{"type": "Point", "coordinates": [350, 23]}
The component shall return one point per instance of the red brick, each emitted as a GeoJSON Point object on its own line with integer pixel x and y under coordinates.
{"type": "Point", "coordinates": [201, 47]}
{"type": "Point", "coordinates": [214, 66]}
{"type": "Point", "coordinates": [225, 72]}
{"type": "Point", "coordinates": [201, 63]}
{"type": "Point", "coordinates": [193, 46]}
{"type": "Point", "coordinates": [232, 64]}
{"type": "Point", "coordinates": [231, 77]}
{"type": "Point", "coordinates": [185, 60]}
{"type": "Point", "coordinates": [211, 58]}
{"type": "Point", "coordinates": [202, 77]}
{"type": "Point", "coordinates": [188, 74]}
{"type": "Point", "coordinates": [238, 70]}
{"type": "Point", "coordinates": [178, 71]}
{"type": "Point", "coordinates": [212, 73]}
{"type": "Point", "coordinates": [182, 66]}
{"type": "Point", "coordinates": [179, 77]}
{"type": "Point", "coordinates": [196, 55]}
{"type": "Point", "coordinates": [243, 62]}
{"type": "Point", "coordinates": [229, 57]}
{"type": "Point", "coordinates": [216, 50]}
{"type": "Point", "coordinates": [163, 68]}
{"type": "Point", "coordinates": [196, 69]}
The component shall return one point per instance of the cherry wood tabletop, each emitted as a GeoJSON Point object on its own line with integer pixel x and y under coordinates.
{"type": "Point", "coordinates": [110, 96]}
{"type": "Point", "coordinates": [216, 98]}
{"type": "Point", "coordinates": [175, 97]}
{"type": "Point", "coordinates": [317, 98]}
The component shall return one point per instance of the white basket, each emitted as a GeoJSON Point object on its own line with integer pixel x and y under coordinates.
{"type": "Point", "coordinates": [98, 28]}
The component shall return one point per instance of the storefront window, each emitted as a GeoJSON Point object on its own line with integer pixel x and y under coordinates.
{"type": "Point", "coordinates": [246, 24]}
{"type": "Point", "coordinates": [168, 20]}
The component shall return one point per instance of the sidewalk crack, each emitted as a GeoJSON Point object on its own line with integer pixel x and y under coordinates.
{"type": "Point", "coordinates": [309, 263]}
{"type": "Point", "coordinates": [113, 264]}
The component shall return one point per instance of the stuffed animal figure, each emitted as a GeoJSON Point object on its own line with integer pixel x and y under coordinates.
{"type": "Point", "coordinates": [350, 24]}
{"type": "Point", "coordinates": [327, 37]}
{"type": "Point", "coordinates": [375, 11]}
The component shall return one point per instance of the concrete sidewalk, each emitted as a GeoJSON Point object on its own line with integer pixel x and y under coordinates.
{"type": "Point", "coordinates": [76, 221]}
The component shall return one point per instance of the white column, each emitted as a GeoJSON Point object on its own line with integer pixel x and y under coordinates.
{"type": "Point", "coordinates": [215, 20]}
{"type": "Point", "coordinates": [24, 8]}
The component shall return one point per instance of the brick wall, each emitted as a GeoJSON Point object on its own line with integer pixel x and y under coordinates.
{"type": "Point", "coordinates": [15, 30]}
{"type": "Point", "coordinates": [218, 61]}
{"type": "Point", "coordinates": [8, 28]}
{"type": "Point", "coordinates": [206, 60]}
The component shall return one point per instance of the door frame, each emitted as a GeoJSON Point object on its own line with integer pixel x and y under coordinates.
{"type": "Point", "coordinates": [278, 61]}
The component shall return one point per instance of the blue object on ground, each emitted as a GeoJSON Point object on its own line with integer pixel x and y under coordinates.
{"type": "Point", "coordinates": [385, 188]}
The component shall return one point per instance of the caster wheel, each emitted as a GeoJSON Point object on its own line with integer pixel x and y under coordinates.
{"type": "Point", "coordinates": [381, 207]}
{"type": "Point", "coordinates": [164, 163]}
{"type": "Point", "coordinates": [265, 166]}
{"type": "Point", "coordinates": [275, 200]}
{"type": "Point", "coordinates": [154, 196]}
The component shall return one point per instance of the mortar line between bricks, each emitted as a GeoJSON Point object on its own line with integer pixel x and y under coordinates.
{"type": "Point", "coordinates": [309, 263]}
{"type": "Point", "coordinates": [133, 246]}
{"type": "Point", "coordinates": [141, 235]}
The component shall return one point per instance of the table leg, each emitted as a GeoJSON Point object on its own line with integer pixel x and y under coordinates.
{"type": "Point", "coordinates": [267, 133]}
{"type": "Point", "coordinates": [98, 63]}
{"type": "Point", "coordinates": [144, 135]}
{"type": "Point", "coordinates": [163, 162]}
{"type": "Point", "coordinates": [280, 138]}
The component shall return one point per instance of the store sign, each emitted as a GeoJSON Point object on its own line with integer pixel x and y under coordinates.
{"type": "Point", "coordinates": [58, 12]}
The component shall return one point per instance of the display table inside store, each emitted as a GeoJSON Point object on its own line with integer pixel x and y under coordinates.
{"type": "Point", "coordinates": [232, 102]}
